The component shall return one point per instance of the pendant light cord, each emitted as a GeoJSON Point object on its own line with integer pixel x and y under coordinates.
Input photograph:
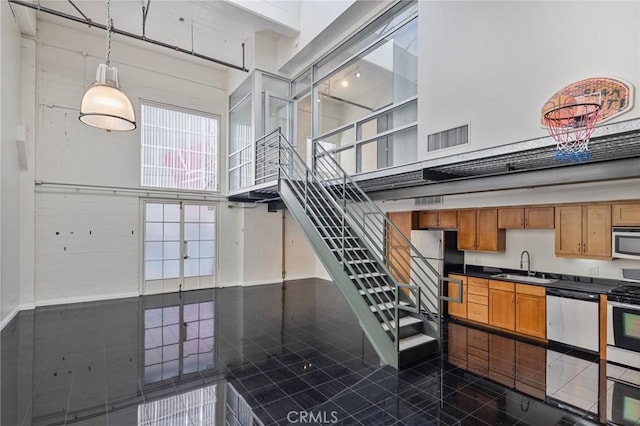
{"type": "Point", "coordinates": [109, 29]}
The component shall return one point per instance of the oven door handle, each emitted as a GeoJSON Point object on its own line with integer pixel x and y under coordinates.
{"type": "Point", "coordinates": [624, 305]}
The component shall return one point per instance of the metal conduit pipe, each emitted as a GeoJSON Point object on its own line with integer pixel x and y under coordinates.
{"type": "Point", "coordinates": [90, 23]}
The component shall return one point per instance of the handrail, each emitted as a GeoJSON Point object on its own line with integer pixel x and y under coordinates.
{"type": "Point", "coordinates": [334, 173]}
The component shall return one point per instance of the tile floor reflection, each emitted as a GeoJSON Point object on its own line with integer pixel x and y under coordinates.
{"type": "Point", "coordinates": [278, 355]}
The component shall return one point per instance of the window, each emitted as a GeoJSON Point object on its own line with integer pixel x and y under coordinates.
{"type": "Point", "coordinates": [179, 148]}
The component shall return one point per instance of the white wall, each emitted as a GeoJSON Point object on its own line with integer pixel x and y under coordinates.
{"type": "Point", "coordinates": [539, 242]}
{"type": "Point", "coordinates": [493, 64]}
{"type": "Point", "coordinates": [10, 118]}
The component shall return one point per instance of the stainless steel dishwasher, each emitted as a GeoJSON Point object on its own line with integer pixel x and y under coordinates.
{"type": "Point", "coordinates": [573, 318]}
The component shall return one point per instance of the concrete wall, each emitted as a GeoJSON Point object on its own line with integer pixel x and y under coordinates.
{"type": "Point", "coordinates": [10, 118]}
{"type": "Point", "coordinates": [493, 64]}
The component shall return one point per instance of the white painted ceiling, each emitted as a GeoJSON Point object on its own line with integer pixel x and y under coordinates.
{"type": "Point", "coordinates": [214, 28]}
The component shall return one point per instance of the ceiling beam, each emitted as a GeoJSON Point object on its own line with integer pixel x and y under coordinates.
{"type": "Point", "coordinates": [142, 38]}
{"type": "Point", "coordinates": [628, 168]}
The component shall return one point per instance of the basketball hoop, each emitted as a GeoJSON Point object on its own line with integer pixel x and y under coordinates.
{"type": "Point", "coordinates": [571, 123]}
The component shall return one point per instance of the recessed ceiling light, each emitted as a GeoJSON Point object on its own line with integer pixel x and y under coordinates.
{"type": "Point", "coordinates": [345, 83]}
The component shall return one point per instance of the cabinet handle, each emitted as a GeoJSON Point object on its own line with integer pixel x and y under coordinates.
{"type": "Point", "coordinates": [526, 222]}
{"type": "Point", "coordinates": [584, 247]}
{"type": "Point", "coordinates": [579, 251]}
{"type": "Point", "coordinates": [521, 222]}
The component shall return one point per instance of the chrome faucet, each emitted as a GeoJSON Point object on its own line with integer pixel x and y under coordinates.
{"type": "Point", "coordinates": [528, 262]}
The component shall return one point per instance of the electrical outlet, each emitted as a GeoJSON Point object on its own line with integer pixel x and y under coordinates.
{"type": "Point", "coordinates": [594, 270]}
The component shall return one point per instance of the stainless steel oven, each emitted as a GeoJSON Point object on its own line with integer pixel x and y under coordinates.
{"type": "Point", "coordinates": [623, 320]}
{"type": "Point", "coordinates": [625, 243]}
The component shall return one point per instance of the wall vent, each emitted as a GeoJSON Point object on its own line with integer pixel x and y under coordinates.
{"type": "Point", "coordinates": [429, 201]}
{"type": "Point", "coordinates": [448, 138]}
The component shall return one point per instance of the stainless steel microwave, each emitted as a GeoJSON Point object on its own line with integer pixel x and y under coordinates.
{"type": "Point", "coordinates": [625, 243]}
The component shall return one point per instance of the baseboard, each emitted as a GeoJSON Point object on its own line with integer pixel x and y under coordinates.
{"type": "Point", "coordinates": [82, 299]}
{"type": "Point", "coordinates": [260, 282]}
{"type": "Point", "coordinates": [9, 317]}
{"type": "Point", "coordinates": [299, 277]}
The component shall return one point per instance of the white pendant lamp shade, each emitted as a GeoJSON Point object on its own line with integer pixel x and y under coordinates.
{"type": "Point", "coordinates": [104, 105]}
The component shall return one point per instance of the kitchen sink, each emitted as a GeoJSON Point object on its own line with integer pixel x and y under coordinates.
{"type": "Point", "coordinates": [524, 279]}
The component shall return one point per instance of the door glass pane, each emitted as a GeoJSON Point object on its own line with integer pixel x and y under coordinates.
{"type": "Point", "coordinates": [153, 251]}
{"type": "Point", "coordinates": [153, 270]}
{"type": "Point", "coordinates": [171, 231]}
{"type": "Point", "coordinates": [206, 266]}
{"type": "Point", "coordinates": [279, 116]}
{"type": "Point", "coordinates": [207, 214]}
{"type": "Point", "coordinates": [153, 212]}
{"type": "Point", "coordinates": [207, 249]}
{"type": "Point", "coordinates": [153, 232]}
{"type": "Point", "coordinates": [191, 231]}
{"type": "Point", "coordinates": [191, 267]}
{"type": "Point", "coordinates": [171, 250]}
{"type": "Point", "coordinates": [191, 213]}
{"type": "Point", "coordinates": [171, 269]}
{"type": "Point", "coordinates": [172, 213]}
{"type": "Point", "coordinates": [207, 231]}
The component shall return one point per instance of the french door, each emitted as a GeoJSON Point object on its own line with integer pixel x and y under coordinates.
{"type": "Point", "coordinates": [179, 246]}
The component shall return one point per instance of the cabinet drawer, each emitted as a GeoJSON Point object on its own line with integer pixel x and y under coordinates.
{"type": "Point", "coordinates": [479, 282]}
{"type": "Point", "coordinates": [477, 339]}
{"type": "Point", "coordinates": [501, 285]}
{"type": "Point", "coordinates": [480, 300]}
{"type": "Point", "coordinates": [480, 291]}
{"type": "Point", "coordinates": [533, 290]}
{"type": "Point", "coordinates": [478, 313]}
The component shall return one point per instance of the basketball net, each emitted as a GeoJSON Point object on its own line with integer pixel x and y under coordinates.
{"type": "Point", "coordinates": [571, 123]}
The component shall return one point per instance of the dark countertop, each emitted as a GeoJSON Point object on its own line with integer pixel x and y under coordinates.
{"type": "Point", "coordinates": [565, 282]}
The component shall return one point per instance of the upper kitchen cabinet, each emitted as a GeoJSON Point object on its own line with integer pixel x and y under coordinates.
{"type": "Point", "coordinates": [526, 217]}
{"type": "Point", "coordinates": [438, 219]}
{"type": "Point", "coordinates": [584, 231]}
{"type": "Point", "coordinates": [478, 230]}
{"type": "Point", "coordinates": [626, 214]}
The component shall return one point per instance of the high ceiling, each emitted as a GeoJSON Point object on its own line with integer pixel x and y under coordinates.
{"type": "Point", "coordinates": [212, 28]}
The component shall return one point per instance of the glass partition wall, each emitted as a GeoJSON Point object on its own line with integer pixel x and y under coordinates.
{"type": "Point", "coordinates": [359, 103]}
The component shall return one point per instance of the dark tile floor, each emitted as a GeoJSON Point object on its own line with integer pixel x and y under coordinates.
{"type": "Point", "coordinates": [278, 355]}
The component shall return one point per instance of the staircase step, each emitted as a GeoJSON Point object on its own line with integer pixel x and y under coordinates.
{"type": "Point", "coordinates": [368, 275]}
{"type": "Point", "coordinates": [376, 290]}
{"type": "Point", "coordinates": [415, 340]}
{"type": "Point", "coordinates": [360, 261]}
{"type": "Point", "coordinates": [404, 321]}
{"type": "Point", "coordinates": [385, 306]}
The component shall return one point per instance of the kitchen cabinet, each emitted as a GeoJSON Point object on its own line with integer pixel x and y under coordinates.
{"type": "Point", "coordinates": [502, 312]}
{"type": "Point", "coordinates": [627, 214]}
{"type": "Point", "coordinates": [502, 351]}
{"type": "Point", "coordinates": [583, 231]}
{"type": "Point", "coordinates": [531, 310]}
{"type": "Point", "coordinates": [457, 345]}
{"type": "Point", "coordinates": [526, 217]}
{"type": "Point", "coordinates": [457, 309]}
{"type": "Point", "coordinates": [438, 219]}
{"type": "Point", "coordinates": [531, 369]}
{"type": "Point", "coordinates": [478, 230]}
{"type": "Point", "coordinates": [398, 251]}
{"type": "Point", "coordinates": [478, 299]}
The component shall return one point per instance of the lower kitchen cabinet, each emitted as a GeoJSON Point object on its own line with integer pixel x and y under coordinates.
{"type": "Point", "coordinates": [478, 299]}
{"type": "Point", "coordinates": [458, 310]}
{"type": "Point", "coordinates": [531, 310]}
{"type": "Point", "coordinates": [531, 369]}
{"type": "Point", "coordinates": [502, 312]}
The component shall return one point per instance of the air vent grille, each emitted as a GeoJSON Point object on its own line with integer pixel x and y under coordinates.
{"type": "Point", "coordinates": [429, 201]}
{"type": "Point", "coordinates": [448, 138]}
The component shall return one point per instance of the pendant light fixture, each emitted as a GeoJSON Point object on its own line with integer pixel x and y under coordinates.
{"type": "Point", "coordinates": [104, 105]}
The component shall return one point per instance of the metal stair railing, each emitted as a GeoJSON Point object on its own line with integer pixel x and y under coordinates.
{"type": "Point", "coordinates": [321, 207]}
{"type": "Point", "coordinates": [392, 247]}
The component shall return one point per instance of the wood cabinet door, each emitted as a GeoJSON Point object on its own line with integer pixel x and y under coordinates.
{"type": "Point", "coordinates": [448, 219]}
{"type": "Point", "coordinates": [569, 230]}
{"type": "Point", "coordinates": [397, 249]}
{"type": "Point", "coordinates": [502, 352]}
{"type": "Point", "coordinates": [539, 217]}
{"type": "Point", "coordinates": [596, 230]}
{"type": "Point", "coordinates": [489, 237]}
{"type": "Point", "coordinates": [457, 309]}
{"type": "Point", "coordinates": [457, 345]}
{"type": "Point", "coordinates": [531, 369]}
{"type": "Point", "coordinates": [428, 219]}
{"type": "Point", "coordinates": [502, 311]}
{"type": "Point", "coordinates": [511, 218]}
{"type": "Point", "coordinates": [466, 230]}
{"type": "Point", "coordinates": [531, 315]}
{"type": "Point", "coordinates": [626, 215]}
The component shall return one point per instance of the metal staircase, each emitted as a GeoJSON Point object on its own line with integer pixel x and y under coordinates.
{"type": "Point", "coordinates": [394, 292]}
